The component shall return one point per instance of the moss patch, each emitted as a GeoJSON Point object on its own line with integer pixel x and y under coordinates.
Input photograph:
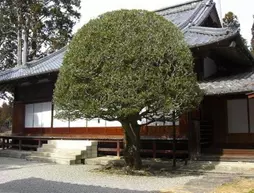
{"type": "Point", "coordinates": [242, 185]}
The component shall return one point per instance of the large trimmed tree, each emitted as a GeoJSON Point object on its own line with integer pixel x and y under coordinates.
{"type": "Point", "coordinates": [127, 66]}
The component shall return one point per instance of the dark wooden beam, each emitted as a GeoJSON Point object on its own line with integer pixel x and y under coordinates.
{"type": "Point", "coordinates": [248, 113]}
{"type": "Point", "coordinates": [174, 140]}
{"type": "Point", "coordinates": [194, 137]}
{"type": "Point", "coordinates": [52, 118]}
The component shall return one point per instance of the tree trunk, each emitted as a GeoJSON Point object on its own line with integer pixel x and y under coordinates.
{"type": "Point", "coordinates": [19, 39]}
{"type": "Point", "coordinates": [24, 37]}
{"type": "Point", "coordinates": [132, 144]}
{"type": "Point", "coordinates": [19, 50]}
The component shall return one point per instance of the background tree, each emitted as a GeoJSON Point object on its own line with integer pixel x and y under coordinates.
{"type": "Point", "coordinates": [33, 28]}
{"type": "Point", "coordinates": [252, 39]}
{"type": "Point", "coordinates": [231, 20]}
{"type": "Point", "coordinates": [5, 116]}
{"type": "Point", "coordinates": [127, 66]}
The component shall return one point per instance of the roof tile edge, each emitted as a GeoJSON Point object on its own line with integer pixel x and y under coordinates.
{"type": "Point", "coordinates": [177, 5]}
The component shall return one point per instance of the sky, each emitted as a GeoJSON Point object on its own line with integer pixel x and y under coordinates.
{"type": "Point", "coordinates": [242, 8]}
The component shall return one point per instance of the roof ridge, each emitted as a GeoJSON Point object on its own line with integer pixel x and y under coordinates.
{"type": "Point", "coordinates": [207, 6]}
{"type": "Point", "coordinates": [211, 30]}
{"type": "Point", "coordinates": [34, 62]}
{"type": "Point", "coordinates": [177, 5]}
{"type": "Point", "coordinates": [194, 14]}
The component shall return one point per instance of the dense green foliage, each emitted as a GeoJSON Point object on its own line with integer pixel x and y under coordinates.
{"type": "Point", "coordinates": [121, 63]}
{"type": "Point", "coordinates": [47, 24]}
{"type": "Point", "coordinates": [126, 66]}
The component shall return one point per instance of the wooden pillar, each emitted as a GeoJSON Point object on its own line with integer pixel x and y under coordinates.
{"type": "Point", "coordinates": [248, 113]}
{"type": "Point", "coordinates": [194, 138]}
{"type": "Point", "coordinates": [18, 118]}
{"type": "Point", "coordinates": [154, 149]}
{"type": "Point", "coordinates": [174, 139]}
{"type": "Point", "coordinates": [20, 144]}
{"type": "Point", "coordinates": [8, 143]}
{"type": "Point", "coordinates": [3, 145]}
{"type": "Point", "coordinates": [118, 148]}
{"type": "Point", "coordinates": [52, 118]}
{"type": "Point", "coordinates": [39, 143]}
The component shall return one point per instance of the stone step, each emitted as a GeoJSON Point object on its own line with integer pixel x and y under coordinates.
{"type": "Point", "coordinates": [53, 146]}
{"type": "Point", "coordinates": [79, 142]}
{"type": "Point", "coordinates": [59, 155]}
{"type": "Point", "coordinates": [65, 151]}
{"type": "Point", "coordinates": [72, 144]}
{"type": "Point", "coordinates": [103, 160]}
{"type": "Point", "coordinates": [60, 150]}
{"type": "Point", "coordinates": [53, 160]}
{"type": "Point", "coordinates": [92, 155]}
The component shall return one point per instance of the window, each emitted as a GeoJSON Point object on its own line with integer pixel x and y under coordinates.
{"type": "Point", "coordinates": [38, 115]}
{"type": "Point", "coordinates": [237, 116]}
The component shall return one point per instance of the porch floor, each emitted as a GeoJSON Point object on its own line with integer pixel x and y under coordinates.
{"type": "Point", "coordinates": [245, 155]}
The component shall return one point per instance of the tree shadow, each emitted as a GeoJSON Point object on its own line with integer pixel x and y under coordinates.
{"type": "Point", "coordinates": [38, 185]}
{"type": "Point", "coordinates": [160, 168]}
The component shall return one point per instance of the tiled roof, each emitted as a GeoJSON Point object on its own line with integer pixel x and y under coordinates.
{"type": "Point", "coordinates": [192, 12]}
{"type": "Point", "coordinates": [186, 16]}
{"type": "Point", "coordinates": [45, 65]}
{"type": "Point", "coordinates": [178, 14]}
{"type": "Point", "coordinates": [197, 36]}
{"type": "Point", "coordinates": [239, 83]}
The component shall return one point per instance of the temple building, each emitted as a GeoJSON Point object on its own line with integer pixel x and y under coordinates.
{"type": "Point", "coordinates": [222, 125]}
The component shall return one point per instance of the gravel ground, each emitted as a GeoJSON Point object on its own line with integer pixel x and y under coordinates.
{"type": "Point", "coordinates": [20, 176]}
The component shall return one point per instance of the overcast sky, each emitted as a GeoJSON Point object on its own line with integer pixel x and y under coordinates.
{"type": "Point", "coordinates": [242, 8]}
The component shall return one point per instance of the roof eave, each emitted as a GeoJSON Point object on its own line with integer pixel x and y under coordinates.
{"type": "Point", "coordinates": [235, 34]}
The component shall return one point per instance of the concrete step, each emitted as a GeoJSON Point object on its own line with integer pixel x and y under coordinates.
{"type": "Point", "coordinates": [88, 153]}
{"type": "Point", "coordinates": [59, 155]}
{"type": "Point", "coordinates": [60, 150]}
{"type": "Point", "coordinates": [65, 151]}
{"type": "Point", "coordinates": [92, 154]}
{"type": "Point", "coordinates": [53, 160]}
{"type": "Point", "coordinates": [103, 160]}
{"type": "Point", "coordinates": [72, 144]}
{"type": "Point", "coordinates": [53, 146]}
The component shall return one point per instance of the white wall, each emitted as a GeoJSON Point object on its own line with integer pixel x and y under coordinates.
{"type": "Point", "coordinates": [237, 116]}
{"type": "Point", "coordinates": [161, 123]}
{"type": "Point", "coordinates": [210, 67]}
{"type": "Point", "coordinates": [78, 123]}
{"type": "Point", "coordinates": [29, 110]}
{"type": "Point", "coordinates": [38, 115]}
